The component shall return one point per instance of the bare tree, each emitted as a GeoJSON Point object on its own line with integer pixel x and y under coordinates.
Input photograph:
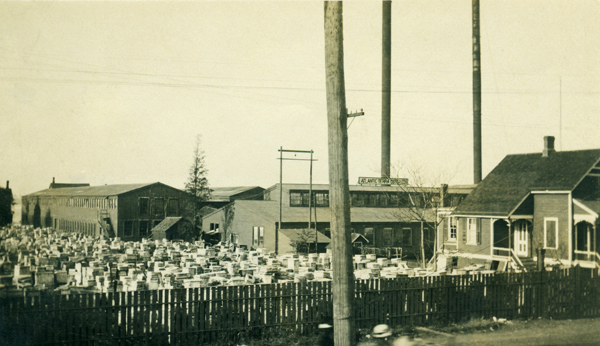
{"type": "Point", "coordinates": [197, 184]}
{"type": "Point", "coordinates": [419, 202]}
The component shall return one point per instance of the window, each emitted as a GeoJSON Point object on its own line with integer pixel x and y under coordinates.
{"type": "Point", "coordinates": [452, 227]}
{"type": "Point", "coordinates": [322, 199]}
{"type": "Point", "coordinates": [407, 236]}
{"type": "Point", "coordinates": [394, 200]}
{"type": "Point", "coordinates": [472, 231]}
{"type": "Point", "coordinates": [258, 236]}
{"type": "Point", "coordinates": [305, 199]}
{"type": "Point", "coordinates": [388, 236]}
{"type": "Point", "coordinates": [172, 207]}
{"type": "Point", "coordinates": [373, 200]}
{"type": "Point", "coordinates": [143, 229]}
{"type": "Point", "coordinates": [214, 227]}
{"type": "Point", "coordinates": [144, 206]}
{"type": "Point", "coordinates": [358, 200]}
{"type": "Point", "coordinates": [233, 238]}
{"type": "Point", "coordinates": [295, 199]}
{"type": "Point", "coordinates": [551, 233]}
{"type": "Point", "coordinates": [128, 229]}
{"type": "Point", "coordinates": [158, 207]}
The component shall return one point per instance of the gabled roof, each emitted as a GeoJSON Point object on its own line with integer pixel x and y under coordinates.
{"type": "Point", "coordinates": [356, 236]}
{"type": "Point", "coordinates": [85, 191]}
{"type": "Point", "coordinates": [165, 224]}
{"type": "Point", "coordinates": [507, 185]}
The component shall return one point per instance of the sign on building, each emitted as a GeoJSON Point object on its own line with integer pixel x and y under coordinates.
{"type": "Point", "coordinates": [382, 181]}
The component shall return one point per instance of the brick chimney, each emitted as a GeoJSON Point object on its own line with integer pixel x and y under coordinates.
{"type": "Point", "coordinates": [548, 146]}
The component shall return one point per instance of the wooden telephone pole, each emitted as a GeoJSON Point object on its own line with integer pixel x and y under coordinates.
{"type": "Point", "coordinates": [339, 196]}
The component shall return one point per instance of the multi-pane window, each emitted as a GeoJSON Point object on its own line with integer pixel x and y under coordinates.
{"type": "Point", "coordinates": [322, 199]}
{"type": "Point", "coordinates": [214, 227]}
{"type": "Point", "coordinates": [172, 207]}
{"type": "Point", "coordinates": [301, 198]}
{"type": "Point", "coordinates": [550, 233]}
{"type": "Point", "coordinates": [258, 236]}
{"type": "Point", "coordinates": [158, 207]}
{"type": "Point", "coordinates": [144, 206]}
{"type": "Point", "coordinates": [452, 228]}
{"type": "Point", "coordinates": [373, 200]}
{"type": "Point", "coordinates": [295, 199]}
{"type": "Point", "coordinates": [357, 200]}
{"type": "Point", "coordinates": [388, 236]}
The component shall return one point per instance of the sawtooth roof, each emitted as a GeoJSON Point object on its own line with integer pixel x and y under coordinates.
{"type": "Point", "coordinates": [507, 185]}
{"type": "Point", "coordinates": [102, 190]}
{"type": "Point", "coordinates": [225, 193]}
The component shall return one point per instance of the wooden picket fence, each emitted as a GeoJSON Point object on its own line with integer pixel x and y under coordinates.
{"type": "Point", "coordinates": [202, 315]}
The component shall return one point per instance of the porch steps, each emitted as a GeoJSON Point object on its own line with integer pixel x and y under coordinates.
{"type": "Point", "coordinates": [529, 264]}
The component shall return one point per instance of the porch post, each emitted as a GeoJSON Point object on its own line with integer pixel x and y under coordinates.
{"type": "Point", "coordinates": [509, 236]}
{"type": "Point", "coordinates": [594, 230]}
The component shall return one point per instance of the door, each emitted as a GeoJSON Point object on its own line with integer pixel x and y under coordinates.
{"type": "Point", "coordinates": [521, 239]}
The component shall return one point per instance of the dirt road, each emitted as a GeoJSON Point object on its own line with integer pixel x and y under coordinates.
{"type": "Point", "coordinates": [521, 333]}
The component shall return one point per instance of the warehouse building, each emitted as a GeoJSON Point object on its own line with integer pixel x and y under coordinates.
{"type": "Point", "coordinates": [127, 211]}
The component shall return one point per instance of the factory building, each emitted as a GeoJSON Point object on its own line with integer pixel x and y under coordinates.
{"type": "Point", "coordinates": [386, 216]}
{"type": "Point", "coordinates": [127, 211]}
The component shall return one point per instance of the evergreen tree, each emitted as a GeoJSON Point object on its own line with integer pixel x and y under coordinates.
{"type": "Point", "coordinates": [197, 184]}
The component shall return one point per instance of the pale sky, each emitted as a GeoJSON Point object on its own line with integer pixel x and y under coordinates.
{"type": "Point", "coordinates": [116, 92]}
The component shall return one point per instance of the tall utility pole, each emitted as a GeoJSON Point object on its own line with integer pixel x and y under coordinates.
{"type": "Point", "coordinates": [281, 158]}
{"type": "Point", "coordinates": [339, 196]}
{"type": "Point", "coordinates": [386, 86]}
{"type": "Point", "coordinates": [280, 199]}
{"type": "Point", "coordinates": [476, 95]}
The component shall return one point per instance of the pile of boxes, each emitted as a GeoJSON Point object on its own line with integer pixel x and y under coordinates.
{"type": "Point", "coordinates": [44, 259]}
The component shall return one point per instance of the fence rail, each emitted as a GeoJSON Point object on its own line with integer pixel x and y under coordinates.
{"type": "Point", "coordinates": [198, 315]}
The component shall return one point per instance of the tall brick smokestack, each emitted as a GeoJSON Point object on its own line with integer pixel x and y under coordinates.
{"type": "Point", "coordinates": [386, 85]}
{"type": "Point", "coordinates": [476, 95]}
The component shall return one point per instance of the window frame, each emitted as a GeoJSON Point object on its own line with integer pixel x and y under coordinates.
{"type": "Point", "coordinates": [140, 211]}
{"type": "Point", "coordinates": [296, 198]}
{"type": "Point", "coordinates": [258, 236]}
{"type": "Point", "coordinates": [158, 212]}
{"type": "Point", "coordinates": [452, 228]}
{"type": "Point", "coordinates": [471, 231]}
{"type": "Point", "coordinates": [172, 210]}
{"type": "Point", "coordinates": [555, 220]}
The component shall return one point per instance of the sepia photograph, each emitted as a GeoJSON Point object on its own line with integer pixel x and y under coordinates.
{"type": "Point", "coordinates": [300, 172]}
